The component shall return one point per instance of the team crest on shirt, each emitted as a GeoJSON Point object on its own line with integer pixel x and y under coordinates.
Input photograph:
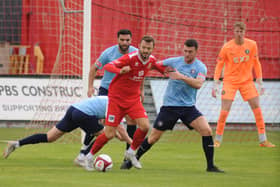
{"type": "Point", "coordinates": [136, 63]}
{"type": "Point", "coordinates": [247, 51]}
{"type": "Point", "coordinates": [193, 71]}
{"type": "Point", "coordinates": [223, 92]}
{"type": "Point", "coordinates": [111, 118]}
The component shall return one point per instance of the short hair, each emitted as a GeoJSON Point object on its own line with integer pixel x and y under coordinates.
{"type": "Point", "coordinates": [148, 39]}
{"type": "Point", "coordinates": [240, 25]}
{"type": "Point", "coordinates": [124, 32]}
{"type": "Point", "coordinates": [191, 43]}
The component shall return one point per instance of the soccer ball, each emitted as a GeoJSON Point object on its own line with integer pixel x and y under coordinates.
{"type": "Point", "coordinates": [103, 163]}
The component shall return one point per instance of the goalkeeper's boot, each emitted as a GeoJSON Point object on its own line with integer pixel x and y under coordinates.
{"type": "Point", "coordinates": [267, 144]}
{"type": "Point", "coordinates": [217, 143]}
{"type": "Point", "coordinates": [215, 169]}
{"type": "Point", "coordinates": [11, 146]}
{"type": "Point", "coordinates": [89, 164]}
{"type": "Point", "coordinates": [80, 160]}
{"type": "Point", "coordinates": [126, 164]}
{"type": "Point", "coordinates": [131, 156]}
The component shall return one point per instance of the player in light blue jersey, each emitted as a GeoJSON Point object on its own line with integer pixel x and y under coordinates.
{"type": "Point", "coordinates": [84, 115]}
{"type": "Point", "coordinates": [187, 75]}
{"type": "Point", "coordinates": [108, 55]}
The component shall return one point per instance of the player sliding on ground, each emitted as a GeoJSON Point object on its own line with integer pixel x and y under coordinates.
{"type": "Point", "coordinates": [84, 114]}
{"type": "Point", "coordinates": [240, 57]}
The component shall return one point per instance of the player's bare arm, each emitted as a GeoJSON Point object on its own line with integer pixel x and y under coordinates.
{"type": "Point", "coordinates": [195, 83]}
{"type": "Point", "coordinates": [122, 134]}
{"type": "Point", "coordinates": [91, 77]}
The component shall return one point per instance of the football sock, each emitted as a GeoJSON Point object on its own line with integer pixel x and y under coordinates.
{"type": "Point", "coordinates": [34, 139]}
{"type": "Point", "coordinates": [88, 138]}
{"type": "Point", "coordinates": [222, 122]}
{"type": "Point", "coordinates": [138, 138]}
{"type": "Point", "coordinates": [144, 147]}
{"type": "Point", "coordinates": [86, 149]}
{"type": "Point", "coordinates": [130, 131]}
{"type": "Point", "coordinates": [207, 144]}
{"type": "Point", "coordinates": [259, 120]}
{"type": "Point", "coordinates": [100, 141]}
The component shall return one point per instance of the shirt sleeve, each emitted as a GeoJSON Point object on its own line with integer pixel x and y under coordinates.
{"type": "Point", "coordinates": [257, 64]}
{"type": "Point", "coordinates": [116, 65]}
{"type": "Point", "coordinates": [159, 66]}
{"type": "Point", "coordinates": [220, 64]}
{"type": "Point", "coordinates": [102, 60]}
{"type": "Point", "coordinates": [202, 72]}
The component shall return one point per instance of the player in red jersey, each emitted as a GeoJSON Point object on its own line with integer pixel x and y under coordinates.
{"type": "Point", "coordinates": [125, 98]}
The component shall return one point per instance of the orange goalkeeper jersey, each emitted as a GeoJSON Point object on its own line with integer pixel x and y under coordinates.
{"type": "Point", "coordinates": [239, 60]}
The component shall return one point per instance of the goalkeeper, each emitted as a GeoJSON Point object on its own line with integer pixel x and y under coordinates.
{"type": "Point", "coordinates": [84, 114]}
{"type": "Point", "coordinates": [240, 57]}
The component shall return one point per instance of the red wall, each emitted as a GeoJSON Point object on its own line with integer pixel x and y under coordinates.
{"type": "Point", "coordinates": [170, 22]}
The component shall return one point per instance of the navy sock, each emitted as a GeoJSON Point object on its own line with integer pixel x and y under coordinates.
{"type": "Point", "coordinates": [130, 131]}
{"type": "Point", "coordinates": [34, 139]}
{"type": "Point", "coordinates": [207, 144]}
{"type": "Point", "coordinates": [87, 150]}
{"type": "Point", "coordinates": [144, 147]}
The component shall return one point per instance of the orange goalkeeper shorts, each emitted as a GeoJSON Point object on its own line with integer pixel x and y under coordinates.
{"type": "Point", "coordinates": [247, 90]}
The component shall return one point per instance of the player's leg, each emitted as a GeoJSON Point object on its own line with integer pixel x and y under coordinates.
{"type": "Point", "coordinates": [249, 93]}
{"type": "Point", "coordinates": [166, 120]}
{"type": "Point", "coordinates": [138, 138]}
{"type": "Point", "coordinates": [130, 128]}
{"type": "Point", "coordinates": [52, 135]}
{"type": "Point", "coordinates": [113, 118]}
{"type": "Point", "coordinates": [201, 125]}
{"type": "Point", "coordinates": [65, 125]}
{"type": "Point", "coordinates": [91, 126]}
{"type": "Point", "coordinates": [228, 94]}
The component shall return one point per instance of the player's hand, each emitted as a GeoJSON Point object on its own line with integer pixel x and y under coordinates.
{"type": "Point", "coordinates": [142, 96]}
{"type": "Point", "coordinates": [260, 87]}
{"type": "Point", "coordinates": [216, 88]}
{"type": "Point", "coordinates": [90, 91]}
{"type": "Point", "coordinates": [125, 69]}
{"type": "Point", "coordinates": [175, 75]}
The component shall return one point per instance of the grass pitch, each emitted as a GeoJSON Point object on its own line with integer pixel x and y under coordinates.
{"type": "Point", "coordinates": [173, 161]}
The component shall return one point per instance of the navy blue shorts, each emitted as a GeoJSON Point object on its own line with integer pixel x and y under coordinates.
{"type": "Point", "coordinates": [169, 115]}
{"type": "Point", "coordinates": [74, 118]}
{"type": "Point", "coordinates": [102, 91]}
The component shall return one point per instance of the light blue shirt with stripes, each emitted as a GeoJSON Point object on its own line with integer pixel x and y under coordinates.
{"type": "Point", "coordinates": [179, 93]}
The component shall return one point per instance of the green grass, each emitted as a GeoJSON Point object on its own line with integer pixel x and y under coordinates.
{"type": "Point", "coordinates": [174, 161]}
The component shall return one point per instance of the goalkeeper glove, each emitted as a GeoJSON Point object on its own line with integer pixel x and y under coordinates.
{"type": "Point", "coordinates": [216, 88]}
{"type": "Point", "coordinates": [260, 87]}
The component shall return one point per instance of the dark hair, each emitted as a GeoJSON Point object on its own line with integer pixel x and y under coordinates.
{"type": "Point", "coordinates": [124, 32]}
{"type": "Point", "coordinates": [191, 43]}
{"type": "Point", "coordinates": [148, 39]}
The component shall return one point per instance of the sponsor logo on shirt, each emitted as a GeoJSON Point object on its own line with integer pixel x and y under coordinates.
{"type": "Point", "coordinates": [193, 71]}
{"type": "Point", "coordinates": [247, 51]}
{"type": "Point", "coordinates": [111, 118]}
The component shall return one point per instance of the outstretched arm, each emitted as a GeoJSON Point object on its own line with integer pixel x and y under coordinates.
{"type": "Point", "coordinates": [122, 134]}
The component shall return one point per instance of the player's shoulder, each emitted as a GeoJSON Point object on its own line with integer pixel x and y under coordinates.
{"type": "Point", "coordinates": [175, 59]}
{"type": "Point", "coordinates": [132, 49]}
{"type": "Point", "coordinates": [250, 42]}
{"type": "Point", "coordinates": [111, 49]}
{"type": "Point", "coordinates": [133, 54]}
{"type": "Point", "coordinates": [153, 58]}
{"type": "Point", "coordinates": [229, 44]}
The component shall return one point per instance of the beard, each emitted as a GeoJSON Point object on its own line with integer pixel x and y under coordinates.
{"type": "Point", "coordinates": [144, 56]}
{"type": "Point", "coordinates": [123, 48]}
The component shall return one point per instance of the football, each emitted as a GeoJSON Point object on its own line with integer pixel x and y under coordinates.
{"type": "Point", "coordinates": [103, 163]}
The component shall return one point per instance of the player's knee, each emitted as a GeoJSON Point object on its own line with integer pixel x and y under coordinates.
{"type": "Point", "coordinates": [206, 131]}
